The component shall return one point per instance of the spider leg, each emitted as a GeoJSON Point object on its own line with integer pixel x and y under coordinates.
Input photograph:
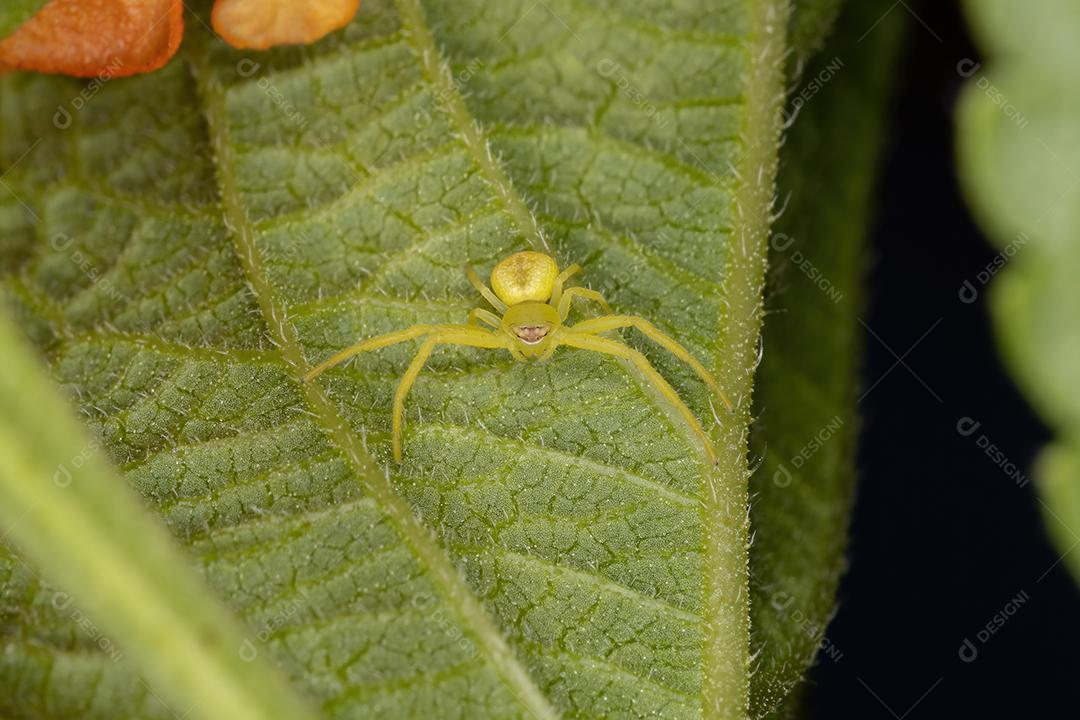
{"type": "Point", "coordinates": [375, 343]}
{"type": "Point", "coordinates": [380, 341]}
{"type": "Point", "coordinates": [557, 287]}
{"type": "Point", "coordinates": [614, 322]}
{"type": "Point", "coordinates": [445, 335]}
{"type": "Point", "coordinates": [583, 293]}
{"type": "Point", "coordinates": [479, 315]}
{"type": "Point", "coordinates": [619, 350]}
{"type": "Point", "coordinates": [484, 290]}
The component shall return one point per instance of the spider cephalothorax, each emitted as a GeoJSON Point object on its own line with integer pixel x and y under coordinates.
{"type": "Point", "coordinates": [528, 291]}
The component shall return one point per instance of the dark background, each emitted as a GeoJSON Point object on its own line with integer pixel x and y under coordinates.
{"type": "Point", "coordinates": [942, 539]}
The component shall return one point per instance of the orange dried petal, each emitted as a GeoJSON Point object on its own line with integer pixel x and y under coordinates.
{"type": "Point", "coordinates": [94, 38]}
{"type": "Point", "coordinates": [259, 24]}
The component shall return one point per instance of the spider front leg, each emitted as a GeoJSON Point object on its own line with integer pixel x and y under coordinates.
{"type": "Point", "coordinates": [468, 335]}
{"type": "Point", "coordinates": [375, 343]}
{"type": "Point", "coordinates": [614, 322]}
{"type": "Point", "coordinates": [619, 350]}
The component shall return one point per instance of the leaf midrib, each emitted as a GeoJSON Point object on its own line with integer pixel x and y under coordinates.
{"type": "Point", "coordinates": [445, 576]}
{"type": "Point", "coordinates": [438, 74]}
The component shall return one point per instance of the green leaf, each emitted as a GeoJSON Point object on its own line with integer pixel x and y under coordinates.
{"type": "Point", "coordinates": [805, 395]}
{"type": "Point", "coordinates": [811, 23]}
{"type": "Point", "coordinates": [552, 544]}
{"type": "Point", "coordinates": [14, 13]}
{"type": "Point", "coordinates": [1020, 162]}
{"type": "Point", "coordinates": [65, 507]}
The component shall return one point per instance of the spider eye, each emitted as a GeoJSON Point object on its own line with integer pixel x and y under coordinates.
{"type": "Point", "coordinates": [524, 277]}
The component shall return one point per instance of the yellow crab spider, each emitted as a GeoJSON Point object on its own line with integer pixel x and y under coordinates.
{"type": "Point", "coordinates": [528, 291]}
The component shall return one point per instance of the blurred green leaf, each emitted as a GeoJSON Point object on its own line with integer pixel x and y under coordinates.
{"type": "Point", "coordinates": [806, 389]}
{"type": "Point", "coordinates": [67, 510]}
{"type": "Point", "coordinates": [1019, 146]}
{"type": "Point", "coordinates": [14, 13]}
{"type": "Point", "coordinates": [811, 23]}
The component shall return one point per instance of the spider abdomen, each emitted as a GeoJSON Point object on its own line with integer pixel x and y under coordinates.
{"type": "Point", "coordinates": [524, 277]}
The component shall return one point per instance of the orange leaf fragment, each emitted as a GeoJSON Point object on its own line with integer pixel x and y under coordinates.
{"type": "Point", "coordinates": [259, 24]}
{"type": "Point", "coordinates": [96, 38]}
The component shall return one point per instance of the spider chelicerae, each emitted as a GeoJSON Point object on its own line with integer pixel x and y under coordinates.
{"type": "Point", "coordinates": [530, 294]}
